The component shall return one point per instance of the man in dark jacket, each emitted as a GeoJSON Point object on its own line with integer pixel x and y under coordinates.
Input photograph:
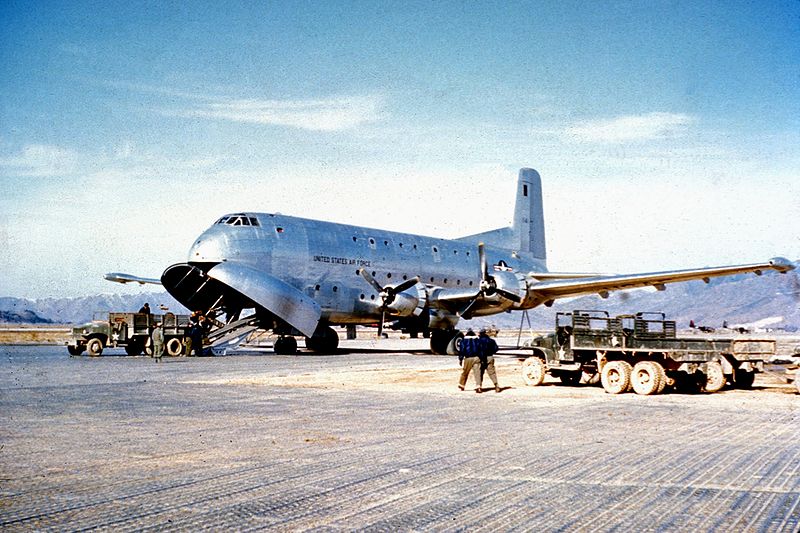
{"type": "Point", "coordinates": [487, 347]}
{"type": "Point", "coordinates": [470, 362]}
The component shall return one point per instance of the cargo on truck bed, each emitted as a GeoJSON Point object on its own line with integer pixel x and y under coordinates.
{"type": "Point", "coordinates": [641, 352]}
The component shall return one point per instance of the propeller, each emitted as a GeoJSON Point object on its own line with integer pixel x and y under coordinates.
{"type": "Point", "coordinates": [387, 294]}
{"type": "Point", "coordinates": [488, 285]}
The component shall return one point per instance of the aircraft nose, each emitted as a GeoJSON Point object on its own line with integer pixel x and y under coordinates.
{"type": "Point", "coordinates": [210, 247]}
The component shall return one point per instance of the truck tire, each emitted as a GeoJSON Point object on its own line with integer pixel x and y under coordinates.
{"type": "Point", "coordinates": [715, 377]}
{"type": "Point", "coordinates": [645, 378]}
{"type": "Point", "coordinates": [743, 379]}
{"type": "Point", "coordinates": [533, 371]}
{"type": "Point", "coordinates": [174, 347]}
{"type": "Point", "coordinates": [797, 380]}
{"type": "Point", "coordinates": [662, 377]}
{"type": "Point", "coordinates": [133, 348]}
{"type": "Point", "coordinates": [94, 347]}
{"type": "Point", "coordinates": [75, 350]}
{"type": "Point", "coordinates": [616, 377]}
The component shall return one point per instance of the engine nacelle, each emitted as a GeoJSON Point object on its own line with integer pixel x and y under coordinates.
{"type": "Point", "coordinates": [404, 304]}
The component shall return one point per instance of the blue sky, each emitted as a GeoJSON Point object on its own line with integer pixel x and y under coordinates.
{"type": "Point", "coordinates": [667, 133]}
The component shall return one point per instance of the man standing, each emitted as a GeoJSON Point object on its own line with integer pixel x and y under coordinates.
{"type": "Point", "coordinates": [487, 347]}
{"type": "Point", "coordinates": [158, 342]}
{"type": "Point", "coordinates": [468, 357]}
{"type": "Point", "coordinates": [145, 308]}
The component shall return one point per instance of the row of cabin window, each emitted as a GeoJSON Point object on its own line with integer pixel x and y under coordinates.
{"type": "Point", "coordinates": [335, 288]}
{"type": "Point", "coordinates": [400, 244]}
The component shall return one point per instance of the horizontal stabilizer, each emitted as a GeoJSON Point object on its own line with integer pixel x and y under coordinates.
{"type": "Point", "coordinates": [119, 277]}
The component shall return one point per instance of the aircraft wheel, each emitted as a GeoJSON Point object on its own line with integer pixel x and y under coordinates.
{"type": "Point", "coordinates": [743, 379]}
{"type": "Point", "coordinates": [645, 378]}
{"type": "Point", "coordinates": [326, 342]}
{"type": "Point", "coordinates": [439, 340]}
{"type": "Point", "coordinates": [75, 350]}
{"type": "Point", "coordinates": [455, 343]}
{"type": "Point", "coordinates": [94, 347]}
{"type": "Point", "coordinates": [533, 371]}
{"type": "Point", "coordinates": [715, 377]}
{"type": "Point", "coordinates": [285, 346]}
{"type": "Point", "coordinates": [572, 379]}
{"type": "Point", "coordinates": [174, 347]}
{"type": "Point", "coordinates": [616, 377]}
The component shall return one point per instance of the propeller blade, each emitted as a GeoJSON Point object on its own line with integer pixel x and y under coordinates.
{"type": "Point", "coordinates": [366, 275]}
{"type": "Point", "coordinates": [380, 324]}
{"type": "Point", "coordinates": [404, 286]}
{"type": "Point", "coordinates": [484, 264]}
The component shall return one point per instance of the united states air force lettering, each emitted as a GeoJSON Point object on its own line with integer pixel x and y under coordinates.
{"type": "Point", "coordinates": [342, 260]}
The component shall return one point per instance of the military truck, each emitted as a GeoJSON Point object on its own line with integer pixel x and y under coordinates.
{"type": "Point", "coordinates": [129, 330]}
{"type": "Point", "coordinates": [641, 352]}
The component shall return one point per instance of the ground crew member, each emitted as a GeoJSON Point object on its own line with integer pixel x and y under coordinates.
{"type": "Point", "coordinates": [468, 357]}
{"type": "Point", "coordinates": [196, 339]}
{"type": "Point", "coordinates": [158, 342]}
{"type": "Point", "coordinates": [145, 308]}
{"type": "Point", "coordinates": [487, 347]}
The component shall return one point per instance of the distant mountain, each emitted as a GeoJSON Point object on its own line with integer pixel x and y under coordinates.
{"type": "Point", "coordinates": [80, 310]}
{"type": "Point", "coordinates": [25, 317]}
{"type": "Point", "coordinates": [772, 299]}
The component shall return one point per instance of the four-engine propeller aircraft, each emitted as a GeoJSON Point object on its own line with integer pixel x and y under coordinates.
{"type": "Point", "coordinates": [303, 276]}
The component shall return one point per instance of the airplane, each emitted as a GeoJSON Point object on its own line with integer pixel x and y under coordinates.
{"type": "Point", "coordinates": [302, 276]}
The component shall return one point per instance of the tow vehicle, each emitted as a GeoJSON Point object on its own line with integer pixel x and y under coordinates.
{"type": "Point", "coordinates": [643, 353]}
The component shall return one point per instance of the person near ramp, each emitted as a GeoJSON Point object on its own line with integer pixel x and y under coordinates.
{"type": "Point", "coordinates": [158, 342]}
{"type": "Point", "coordinates": [469, 360]}
{"type": "Point", "coordinates": [486, 348]}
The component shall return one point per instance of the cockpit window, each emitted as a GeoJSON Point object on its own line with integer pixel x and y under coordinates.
{"type": "Point", "coordinates": [238, 220]}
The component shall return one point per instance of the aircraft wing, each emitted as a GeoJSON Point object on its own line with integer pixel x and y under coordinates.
{"type": "Point", "coordinates": [119, 277]}
{"type": "Point", "coordinates": [550, 289]}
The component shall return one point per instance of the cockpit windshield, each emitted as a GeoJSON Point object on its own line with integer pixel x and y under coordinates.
{"type": "Point", "coordinates": [239, 219]}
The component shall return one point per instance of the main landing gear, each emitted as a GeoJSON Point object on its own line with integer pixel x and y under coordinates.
{"type": "Point", "coordinates": [325, 341]}
{"type": "Point", "coordinates": [446, 341]}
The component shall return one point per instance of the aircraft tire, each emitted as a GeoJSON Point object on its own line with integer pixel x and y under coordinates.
{"type": "Point", "coordinates": [174, 347]}
{"type": "Point", "coordinates": [645, 378]}
{"type": "Point", "coordinates": [285, 346]}
{"type": "Point", "coordinates": [439, 340]}
{"type": "Point", "coordinates": [454, 345]}
{"type": "Point", "coordinates": [715, 377]}
{"type": "Point", "coordinates": [94, 347]}
{"type": "Point", "coordinates": [616, 377]}
{"type": "Point", "coordinates": [327, 342]}
{"type": "Point", "coordinates": [533, 371]}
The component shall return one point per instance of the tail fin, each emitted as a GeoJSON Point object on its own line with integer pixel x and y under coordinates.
{"type": "Point", "coordinates": [528, 225]}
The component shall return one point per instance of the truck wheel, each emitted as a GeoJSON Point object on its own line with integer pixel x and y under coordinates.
{"type": "Point", "coordinates": [133, 348]}
{"type": "Point", "coordinates": [75, 350]}
{"type": "Point", "coordinates": [715, 377]}
{"type": "Point", "coordinates": [645, 378]}
{"type": "Point", "coordinates": [174, 347]}
{"type": "Point", "coordinates": [797, 380]}
{"type": "Point", "coordinates": [743, 379]}
{"type": "Point", "coordinates": [616, 377]}
{"type": "Point", "coordinates": [533, 371]}
{"type": "Point", "coordinates": [94, 347]}
{"type": "Point", "coordinates": [662, 376]}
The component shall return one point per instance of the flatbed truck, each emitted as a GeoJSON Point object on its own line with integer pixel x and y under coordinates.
{"type": "Point", "coordinates": [641, 352]}
{"type": "Point", "coordinates": [131, 331]}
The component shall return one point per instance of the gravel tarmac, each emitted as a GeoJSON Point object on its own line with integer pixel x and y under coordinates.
{"type": "Point", "coordinates": [379, 439]}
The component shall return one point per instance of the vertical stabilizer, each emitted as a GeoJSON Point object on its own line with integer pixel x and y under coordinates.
{"type": "Point", "coordinates": [529, 214]}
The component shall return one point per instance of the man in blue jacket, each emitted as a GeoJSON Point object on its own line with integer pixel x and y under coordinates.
{"type": "Point", "coordinates": [487, 347]}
